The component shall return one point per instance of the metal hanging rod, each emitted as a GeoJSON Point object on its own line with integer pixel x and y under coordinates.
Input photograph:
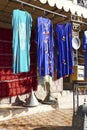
{"type": "Point", "coordinates": [37, 7]}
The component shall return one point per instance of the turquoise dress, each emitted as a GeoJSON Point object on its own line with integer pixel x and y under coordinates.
{"type": "Point", "coordinates": [21, 24]}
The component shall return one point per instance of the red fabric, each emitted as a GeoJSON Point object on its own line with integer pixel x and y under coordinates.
{"type": "Point", "coordinates": [11, 84]}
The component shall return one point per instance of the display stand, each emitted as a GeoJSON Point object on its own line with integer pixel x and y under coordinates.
{"type": "Point", "coordinates": [32, 101]}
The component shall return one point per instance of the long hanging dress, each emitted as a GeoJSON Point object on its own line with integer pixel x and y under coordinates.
{"type": "Point", "coordinates": [64, 56]}
{"type": "Point", "coordinates": [21, 23]}
{"type": "Point", "coordinates": [85, 51]}
{"type": "Point", "coordinates": [45, 42]}
{"type": "Point", "coordinates": [70, 64]}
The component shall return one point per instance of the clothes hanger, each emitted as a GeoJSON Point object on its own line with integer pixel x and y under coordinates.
{"type": "Point", "coordinates": [22, 7]}
{"type": "Point", "coordinates": [45, 15]}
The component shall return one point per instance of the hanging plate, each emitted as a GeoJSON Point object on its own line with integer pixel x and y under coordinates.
{"type": "Point", "coordinates": [76, 42]}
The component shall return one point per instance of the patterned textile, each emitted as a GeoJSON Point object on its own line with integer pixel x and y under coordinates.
{"type": "Point", "coordinates": [44, 38]}
{"type": "Point", "coordinates": [64, 57]}
{"type": "Point", "coordinates": [85, 40]}
{"type": "Point", "coordinates": [15, 84]}
{"type": "Point", "coordinates": [85, 51]}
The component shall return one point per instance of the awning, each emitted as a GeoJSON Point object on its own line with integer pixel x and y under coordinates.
{"type": "Point", "coordinates": [67, 6]}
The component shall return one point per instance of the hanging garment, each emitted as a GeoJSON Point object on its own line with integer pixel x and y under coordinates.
{"type": "Point", "coordinates": [60, 36]}
{"type": "Point", "coordinates": [85, 51]}
{"type": "Point", "coordinates": [69, 59]}
{"type": "Point", "coordinates": [85, 59]}
{"type": "Point", "coordinates": [85, 41]}
{"type": "Point", "coordinates": [21, 23]}
{"type": "Point", "coordinates": [64, 56]}
{"type": "Point", "coordinates": [45, 41]}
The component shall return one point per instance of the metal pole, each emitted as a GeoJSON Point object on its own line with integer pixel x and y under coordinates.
{"type": "Point", "coordinates": [37, 7]}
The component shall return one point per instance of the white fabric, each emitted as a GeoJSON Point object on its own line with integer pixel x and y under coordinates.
{"type": "Point", "coordinates": [43, 1]}
{"type": "Point", "coordinates": [51, 2]}
{"type": "Point", "coordinates": [67, 5]}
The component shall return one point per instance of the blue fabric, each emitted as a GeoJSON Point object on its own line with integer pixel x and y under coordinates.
{"type": "Point", "coordinates": [70, 65]}
{"type": "Point", "coordinates": [85, 59]}
{"type": "Point", "coordinates": [45, 42]}
{"type": "Point", "coordinates": [21, 23]}
{"type": "Point", "coordinates": [85, 51]}
{"type": "Point", "coordinates": [64, 50]}
{"type": "Point", "coordinates": [85, 40]}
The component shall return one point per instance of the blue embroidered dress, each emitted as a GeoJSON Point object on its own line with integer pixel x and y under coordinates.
{"type": "Point", "coordinates": [85, 51]}
{"type": "Point", "coordinates": [45, 42]}
{"type": "Point", "coordinates": [21, 23]}
{"type": "Point", "coordinates": [64, 56]}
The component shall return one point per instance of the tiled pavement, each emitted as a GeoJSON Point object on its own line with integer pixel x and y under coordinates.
{"type": "Point", "coordinates": [48, 120]}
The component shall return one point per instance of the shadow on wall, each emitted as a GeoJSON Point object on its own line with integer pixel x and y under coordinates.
{"type": "Point", "coordinates": [47, 86]}
{"type": "Point", "coordinates": [48, 98]}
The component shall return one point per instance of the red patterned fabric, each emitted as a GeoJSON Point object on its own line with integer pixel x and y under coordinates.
{"type": "Point", "coordinates": [11, 84]}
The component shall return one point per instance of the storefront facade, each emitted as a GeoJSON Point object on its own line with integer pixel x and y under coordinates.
{"type": "Point", "coordinates": [59, 12]}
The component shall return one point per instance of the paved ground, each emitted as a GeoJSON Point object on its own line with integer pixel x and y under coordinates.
{"type": "Point", "coordinates": [49, 120]}
{"type": "Point", "coordinates": [43, 117]}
